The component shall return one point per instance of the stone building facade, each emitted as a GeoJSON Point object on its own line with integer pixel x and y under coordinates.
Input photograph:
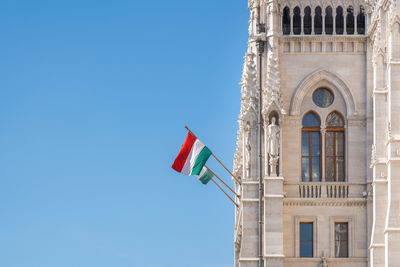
{"type": "Point", "coordinates": [318, 150]}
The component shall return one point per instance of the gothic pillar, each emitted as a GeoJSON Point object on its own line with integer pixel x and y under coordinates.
{"type": "Point", "coordinates": [266, 159]}
{"type": "Point", "coordinates": [378, 163]}
{"type": "Point", "coordinates": [273, 201]}
{"type": "Point", "coordinates": [291, 23]}
{"type": "Point", "coordinates": [392, 229]}
{"type": "Point", "coordinates": [323, 21]}
{"type": "Point", "coordinates": [334, 20]}
{"type": "Point", "coordinates": [248, 253]}
{"type": "Point", "coordinates": [323, 132]}
{"type": "Point", "coordinates": [355, 23]}
{"type": "Point", "coordinates": [312, 20]}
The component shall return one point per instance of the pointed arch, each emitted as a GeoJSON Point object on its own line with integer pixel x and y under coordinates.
{"type": "Point", "coordinates": [312, 81]}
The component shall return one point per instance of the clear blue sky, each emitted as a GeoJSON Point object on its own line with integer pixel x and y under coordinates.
{"type": "Point", "coordinates": [94, 97]}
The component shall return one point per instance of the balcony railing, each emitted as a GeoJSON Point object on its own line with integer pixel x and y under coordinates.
{"type": "Point", "coordinates": [324, 190]}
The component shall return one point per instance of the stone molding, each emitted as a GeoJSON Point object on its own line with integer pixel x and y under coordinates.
{"type": "Point", "coordinates": [310, 83]}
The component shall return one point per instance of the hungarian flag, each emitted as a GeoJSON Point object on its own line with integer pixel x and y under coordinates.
{"type": "Point", "coordinates": [205, 175]}
{"type": "Point", "coordinates": [192, 157]}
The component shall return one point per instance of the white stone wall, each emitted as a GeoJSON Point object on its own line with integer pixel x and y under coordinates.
{"type": "Point", "coordinates": [363, 72]}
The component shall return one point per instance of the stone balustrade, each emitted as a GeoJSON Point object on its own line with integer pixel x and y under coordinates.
{"type": "Point", "coordinates": [324, 190]}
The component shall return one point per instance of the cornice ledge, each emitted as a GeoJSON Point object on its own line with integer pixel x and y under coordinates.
{"type": "Point", "coordinates": [392, 230]}
{"type": "Point", "coordinates": [249, 259]}
{"type": "Point", "coordinates": [274, 256]}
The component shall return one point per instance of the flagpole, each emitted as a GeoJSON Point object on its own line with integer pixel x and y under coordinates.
{"type": "Point", "coordinates": [234, 177]}
{"type": "Point", "coordinates": [225, 168]}
{"type": "Point", "coordinates": [225, 193]}
{"type": "Point", "coordinates": [222, 181]}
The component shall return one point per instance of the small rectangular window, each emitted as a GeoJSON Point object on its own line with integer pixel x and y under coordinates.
{"type": "Point", "coordinates": [341, 240]}
{"type": "Point", "coordinates": [306, 239]}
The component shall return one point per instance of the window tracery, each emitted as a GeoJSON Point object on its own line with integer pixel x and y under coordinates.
{"type": "Point", "coordinates": [323, 20]}
{"type": "Point", "coordinates": [323, 142]}
{"type": "Point", "coordinates": [334, 143]}
{"type": "Point", "coordinates": [307, 21]}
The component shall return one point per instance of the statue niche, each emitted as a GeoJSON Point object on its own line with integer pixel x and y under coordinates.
{"type": "Point", "coordinates": [273, 142]}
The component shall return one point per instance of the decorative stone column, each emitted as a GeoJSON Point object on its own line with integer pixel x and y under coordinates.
{"type": "Point", "coordinates": [291, 22]}
{"type": "Point", "coordinates": [312, 21]}
{"type": "Point", "coordinates": [392, 227]}
{"type": "Point", "coordinates": [323, 132]}
{"type": "Point", "coordinates": [355, 23]}
{"type": "Point", "coordinates": [378, 162]}
{"type": "Point", "coordinates": [266, 159]}
{"type": "Point", "coordinates": [273, 202]}
{"type": "Point", "coordinates": [334, 20]}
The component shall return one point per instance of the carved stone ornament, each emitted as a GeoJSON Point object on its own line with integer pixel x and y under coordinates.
{"type": "Point", "coordinates": [273, 141]}
{"type": "Point", "coordinates": [373, 156]}
{"type": "Point", "coordinates": [238, 157]}
{"type": "Point", "coordinates": [248, 108]}
{"type": "Point", "coordinates": [254, 4]}
{"type": "Point", "coordinates": [248, 149]}
{"type": "Point", "coordinates": [271, 92]}
{"type": "Point", "coordinates": [323, 262]}
{"type": "Point", "coordinates": [249, 92]}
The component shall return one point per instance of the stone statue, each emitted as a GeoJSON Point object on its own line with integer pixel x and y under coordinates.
{"type": "Point", "coordinates": [273, 134]}
{"type": "Point", "coordinates": [248, 150]}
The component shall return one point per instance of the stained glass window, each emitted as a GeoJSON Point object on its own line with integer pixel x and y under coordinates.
{"type": "Point", "coordinates": [323, 97]}
{"type": "Point", "coordinates": [334, 120]}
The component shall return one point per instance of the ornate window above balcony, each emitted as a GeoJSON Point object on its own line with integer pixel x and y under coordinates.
{"type": "Point", "coordinates": [323, 138]}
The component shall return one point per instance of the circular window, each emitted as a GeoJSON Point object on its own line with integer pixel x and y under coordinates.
{"type": "Point", "coordinates": [323, 97]}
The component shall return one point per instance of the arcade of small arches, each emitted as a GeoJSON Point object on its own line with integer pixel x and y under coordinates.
{"type": "Point", "coordinates": [323, 21]}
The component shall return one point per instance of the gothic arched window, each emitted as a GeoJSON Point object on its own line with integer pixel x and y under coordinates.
{"type": "Point", "coordinates": [296, 20]}
{"type": "Point", "coordinates": [335, 148]}
{"type": "Point", "coordinates": [350, 20]}
{"type": "Point", "coordinates": [318, 20]}
{"type": "Point", "coordinates": [286, 21]}
{"type": "Point", "coordinates": [311, 148]}
{"type": "Point", "coordinates": [328, 20]}
{"type": "Point", "coordinates": [361, 21]}
{"type": "Point", "coordinates": [307, 20]}
{"type": "Point", "coordinates": [339, 20]}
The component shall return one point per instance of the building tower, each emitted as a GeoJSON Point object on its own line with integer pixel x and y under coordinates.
{"type": "Point", "coordinates": [318, 149]}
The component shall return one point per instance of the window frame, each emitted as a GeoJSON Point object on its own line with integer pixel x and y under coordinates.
{"type": "Point", "coordinates": [310, 157]}
{"type": "Point", "coordinates": [312, 239]}
{"type": "Point", "coordinates": [350, 220]}
{"type": "Point", "coordinates": [335, 156]}
{"type": "Point", "coordinates": [347, 239]}
{"type": "Point", "coordinates": [306, 219]}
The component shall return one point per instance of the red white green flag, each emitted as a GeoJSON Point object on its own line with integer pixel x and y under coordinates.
{"type": "Point", "coordinates": [192, 157]}
{"type": "Point", "coordinates": [205, 175]}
